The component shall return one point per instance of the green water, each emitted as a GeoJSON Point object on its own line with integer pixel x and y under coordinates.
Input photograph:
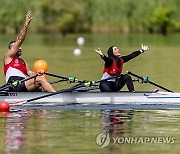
{"type": "Point", "coordinates": [75, 130]}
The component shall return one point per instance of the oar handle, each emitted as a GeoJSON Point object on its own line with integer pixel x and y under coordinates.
{"type": "Point", "coordinates": [155, 84]}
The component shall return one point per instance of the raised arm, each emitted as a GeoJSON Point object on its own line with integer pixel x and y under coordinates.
{"type": "Point", "coordinates": [19, 40]}
{"type": "Point", "coordinates": [22, 35]}
{"type": "Point", "coordinates": [108, 61]}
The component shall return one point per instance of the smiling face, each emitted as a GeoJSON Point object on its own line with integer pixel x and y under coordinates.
{"type": "Point", "coordinates": [116, 51]}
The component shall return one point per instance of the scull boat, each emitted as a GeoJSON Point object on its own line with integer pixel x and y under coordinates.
{"type": "Point", "coordinates": [74, 95]}
{"type": "Point", "coordinates": [90, 98]}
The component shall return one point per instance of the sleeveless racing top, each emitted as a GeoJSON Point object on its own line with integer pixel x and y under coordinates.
{"type": "Point", "coordinates": [113, 70]}
{"type": "Point", "coordinates": [17, 67]}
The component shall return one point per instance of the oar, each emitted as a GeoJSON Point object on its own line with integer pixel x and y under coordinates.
{"type": "Point", "coordinates": [71, 79]}
{"type": "Point", "coordinates": [16, 83]}
{"type": "Point", "coordinates": [55, 75]}
{"type": "Point", "coordinates": [57, 81]}
{"type": "Point", "coordinates": [79, 85]}
{"type": "Point", "coordinates": [146, 80]}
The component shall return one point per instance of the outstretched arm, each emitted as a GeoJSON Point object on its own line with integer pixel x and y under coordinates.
{"type": "Point", "coordinates": [108, 61]}
{"type": "Point", "coordinates": [19, 40]}
{"type": "Point", "coordinates": [135, 53]}
{"type": "Point", "coordinates": [99, 52]}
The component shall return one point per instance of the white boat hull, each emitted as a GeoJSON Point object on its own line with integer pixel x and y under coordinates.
{"type": "Point", "coordinates": [90, 98]}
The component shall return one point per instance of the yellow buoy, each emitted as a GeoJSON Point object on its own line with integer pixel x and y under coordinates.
{"type": "Point", "coordinates": [40, 65]}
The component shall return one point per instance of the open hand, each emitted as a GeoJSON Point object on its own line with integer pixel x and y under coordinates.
{"type": "Point", "coordinates": [28, 18]}
{"type": "Point", "coordinates": [144, 48]}
{"type": "Point", "coordinates": [99, 51]}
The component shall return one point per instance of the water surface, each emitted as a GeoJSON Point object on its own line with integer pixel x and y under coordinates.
{"type": "Point", "coordinates": [75, 131]}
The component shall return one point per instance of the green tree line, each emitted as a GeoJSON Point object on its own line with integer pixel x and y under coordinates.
{"type": "Point", "coordinates": [85, 16]}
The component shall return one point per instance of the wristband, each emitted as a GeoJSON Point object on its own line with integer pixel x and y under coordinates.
{"type": "Point", "coordinates": [141, 50]}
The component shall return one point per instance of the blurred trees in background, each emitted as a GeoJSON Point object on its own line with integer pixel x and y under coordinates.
{"type": "Point", "coordinates": [79, 16]}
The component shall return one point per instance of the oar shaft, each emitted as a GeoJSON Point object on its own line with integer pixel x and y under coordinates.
{"type": "Point", "coordinates": [57, 81]}
{"type": "Point", "coordinates": [55, 93]}
{"type": "Point", "coordinates": [135, 75]}
{"type": "Point", "coordinates": [31, 77]}
{"type": "Point", "coordinates": [55, 75]}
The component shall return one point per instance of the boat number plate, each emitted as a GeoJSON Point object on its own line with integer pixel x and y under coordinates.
{"type": "Point", "coordinates": [12, 94]}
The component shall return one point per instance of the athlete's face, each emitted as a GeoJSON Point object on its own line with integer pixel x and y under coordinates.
{"type": "Point", "coordinates": [19, 53]}
{"type": "Point", "coordinates": [116, 51]}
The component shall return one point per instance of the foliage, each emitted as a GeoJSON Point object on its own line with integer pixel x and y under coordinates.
{"type": "Point", "coordinates": [77, 16]}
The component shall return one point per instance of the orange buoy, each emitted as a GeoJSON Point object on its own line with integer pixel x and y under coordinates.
{"type": "Point", "coordinates": [40, 65]}
{"type": "Point", "coordinates": [4, 106]}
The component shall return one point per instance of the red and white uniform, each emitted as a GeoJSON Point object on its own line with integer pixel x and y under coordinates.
{"type": "Point", "coordinates": [113, 70]}
{"type": "Point", "coordinates": [17, 67]}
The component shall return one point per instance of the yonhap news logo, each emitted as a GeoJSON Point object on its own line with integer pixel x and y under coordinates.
{"type": "Point", "coordinates": [103, 140]}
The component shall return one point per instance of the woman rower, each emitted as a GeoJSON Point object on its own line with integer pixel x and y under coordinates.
{"type": "Point", "coordinates": [113, 67]}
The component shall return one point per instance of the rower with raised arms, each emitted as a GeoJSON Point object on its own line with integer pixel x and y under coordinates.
{"type": "Point", "coordinates": [15, 68]}
{"type": "Point", "coordinates": [113, 67]}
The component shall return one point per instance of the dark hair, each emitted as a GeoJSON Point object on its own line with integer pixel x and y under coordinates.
{"type": "Point", "coordinates": [111, 55]}
{"type": "Point", "coordinates": [10, 44]}
{"type": "Point", "coordinates": [110, 51]}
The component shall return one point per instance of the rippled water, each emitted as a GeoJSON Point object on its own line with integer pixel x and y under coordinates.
{"type": "Point", "coordinates": [75, 131]}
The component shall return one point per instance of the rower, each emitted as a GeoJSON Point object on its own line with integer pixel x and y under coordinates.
{"type": "Point", "coordinates": [113, 67]}
{"type": "Point", "coordinates": [15, 68]}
